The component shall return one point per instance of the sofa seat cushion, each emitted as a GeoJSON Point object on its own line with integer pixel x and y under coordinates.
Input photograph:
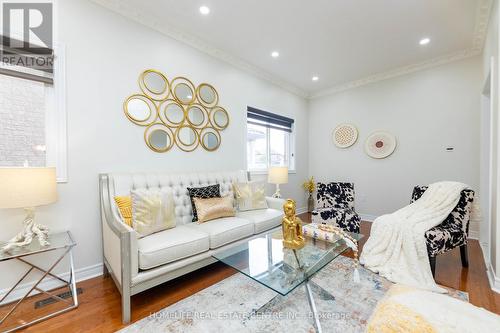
{"type": "Point", "coordinates": [170, 245]}
{"type": "Point", "coordinates": [263, 219]}
{"type": "Point", "coordinates": [224, 230]}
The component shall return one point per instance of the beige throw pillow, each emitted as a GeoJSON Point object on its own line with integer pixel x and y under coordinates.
{"type": "Point", "coordinates": [152, 211]}
{"type": "Point", "coordinates": [213, 208]}
{"type": "Point", "coordinates": [250, 196]}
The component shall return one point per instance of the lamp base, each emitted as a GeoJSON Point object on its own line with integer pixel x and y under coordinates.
{"type": "Point", "coordinates": [30, 231]}
{"type": "Point", "coordinates": [277, 194]}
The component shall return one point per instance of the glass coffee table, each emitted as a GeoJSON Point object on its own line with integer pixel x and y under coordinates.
{"type": "Point", "coordinates": [265, 260]}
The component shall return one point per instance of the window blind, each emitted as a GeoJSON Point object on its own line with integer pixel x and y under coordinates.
{"type": "Point", "coordinates": [268, 119]}
{"type": "Point", "coordinates": [30, 63]}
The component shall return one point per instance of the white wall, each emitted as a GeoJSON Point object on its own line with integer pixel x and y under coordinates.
{"type": "Point", "coordinates": [105, 53]}
{"type": "Point", "coordinates": [427, 111]}
{"type": "Point", "coordinates": [490, 55]}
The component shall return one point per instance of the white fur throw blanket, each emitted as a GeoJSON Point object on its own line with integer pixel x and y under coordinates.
{"type": "Point", "coordinates": [397, 249]}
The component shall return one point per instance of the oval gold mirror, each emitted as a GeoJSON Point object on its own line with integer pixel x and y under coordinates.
{"type": "Point", "coordinates": [210, 139]}
{"type": "Point", "coordinates": [207, 95]}
{"type": "Point", "coordinates": [196, 115]}
{"type": "Point", "coordinates": [140, 110]}
{"type": "Point", "coordinates": [187, 138]}
{"type": "Point", "coordinates": [154, 84]}
{"type": "Point", "coordinates": [171, 113]}
{"type": "Point", "coordinates": [183, 90]}
{"type": "Point", "coordinates": [159, 138]}
{"type": "Point", "coordinates": [220, 118]}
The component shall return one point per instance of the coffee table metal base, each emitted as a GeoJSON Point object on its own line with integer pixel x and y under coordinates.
{"type": "Point", "coordinates": [310, 298]}
{"type": "Point", "coordinates": [309, 286]}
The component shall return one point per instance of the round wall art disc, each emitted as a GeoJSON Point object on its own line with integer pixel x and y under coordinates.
{"type": "Point", "coordinates": [380, 144]}
{"type": "Point", "coordinates": [345, 135]}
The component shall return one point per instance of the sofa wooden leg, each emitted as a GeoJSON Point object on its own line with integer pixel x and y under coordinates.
{"type": "Point", "coordinates": [464, 255]}
{"type": "Point", "coordinates": [432, 261]}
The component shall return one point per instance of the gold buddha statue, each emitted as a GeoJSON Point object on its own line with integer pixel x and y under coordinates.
{"type": "Point", "coordinates": [293, 237]}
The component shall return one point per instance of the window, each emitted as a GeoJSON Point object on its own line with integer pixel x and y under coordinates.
{"type": "Point", "coordinates": [269, 140]}
{"type": "Point", "coordinates": [33, 122]}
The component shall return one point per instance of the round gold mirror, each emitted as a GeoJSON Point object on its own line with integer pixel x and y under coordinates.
{"type": "Point", "coordinates": [140, 110]}
{"type": "Point", "coordinates": [197, 116]}
{"type": "Point", "coordinates": [210, 138]}
{"type": "Point", "coordinates": [183, 90]}
{"type": "Point", "coordinates": [187, 138]}
{"type": "Point", "coordinates": [207, 95]}
{"type": "Point", "coordinates": [220, 118]}
{"type": "Point", "coordinates": [171, 113]}
{"type": "Point", "coordinates": [159, 138]}
{"type": "Point", "coordinates": [154, 84]}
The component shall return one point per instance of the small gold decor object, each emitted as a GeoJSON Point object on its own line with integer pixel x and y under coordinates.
{"type": "Point", "coordinates": [310, 186]}
{"type": "Point", "coordinates": [176, 113]}
{"type": "Point", "coordinates": [292, 227]}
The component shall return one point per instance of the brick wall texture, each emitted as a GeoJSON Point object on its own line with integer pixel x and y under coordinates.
{"type": "Point", "coordinates": [22, 122]}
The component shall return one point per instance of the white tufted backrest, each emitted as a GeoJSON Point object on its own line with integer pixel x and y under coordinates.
{"type": "Point", "coordinates": [121, 184]}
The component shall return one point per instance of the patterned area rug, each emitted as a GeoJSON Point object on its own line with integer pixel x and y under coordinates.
{"type": "Point", "coordinates": [239, 304]}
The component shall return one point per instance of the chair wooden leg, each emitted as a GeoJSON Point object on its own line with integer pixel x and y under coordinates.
{"type": "Point", "coordinates": [432, 261]}
{"type": "Point", "coordinates": [464, 255]}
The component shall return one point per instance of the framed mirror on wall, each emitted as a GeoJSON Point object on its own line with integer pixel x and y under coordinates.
{"type": "Point", "coordinates": [177, 113]}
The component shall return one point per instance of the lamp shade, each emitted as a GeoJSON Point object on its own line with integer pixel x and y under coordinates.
{"type": "Point", "coordinates": [27, 187]}
{"type": "Point", "coordinates": [277, 175]}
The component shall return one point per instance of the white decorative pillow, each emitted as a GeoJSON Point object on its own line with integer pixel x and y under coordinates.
{"type": "Point", "coordinates": [152, 211]}
{"type": "Point", "coordinates": [250, 196]}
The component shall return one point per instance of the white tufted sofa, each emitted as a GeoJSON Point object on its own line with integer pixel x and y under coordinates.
{"type": "Point", "coordinates": [137, 264]}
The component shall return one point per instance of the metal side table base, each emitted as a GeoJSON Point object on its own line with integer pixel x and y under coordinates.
{"type": "Point", "coordinates": [62, 241]}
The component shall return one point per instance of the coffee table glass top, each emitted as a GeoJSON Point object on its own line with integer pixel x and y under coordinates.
{"type": "Point", "coordinates": [265, 260]}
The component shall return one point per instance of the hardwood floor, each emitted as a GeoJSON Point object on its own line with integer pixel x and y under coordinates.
{"type": "Point", "coordinates": [99, 309]}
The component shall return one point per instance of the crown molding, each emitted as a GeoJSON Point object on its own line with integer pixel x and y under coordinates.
{"type": "Point", "coordinates": [151, 21]}
{"type": "Point", "coordinates": [483, 13]}
{"type": "Point", "coordinates": [397, 72]}
{"type": "Point", "coordinates": [138, 15]}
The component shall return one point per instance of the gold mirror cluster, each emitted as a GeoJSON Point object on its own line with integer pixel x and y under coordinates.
{"type": "Point", "coordinates": [177, 113]}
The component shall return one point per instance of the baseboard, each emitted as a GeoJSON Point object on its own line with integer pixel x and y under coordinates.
{"type": "Point", "coordinates": [494, 280]}
{"type": "Point", "coordinates": [473, 234]}
{"type": "Point", "coordinates": [49, 283]}
{"type": "Point", "coordinates": [301, 210]}
{"type": "Point", "coordinates": [368, 217]}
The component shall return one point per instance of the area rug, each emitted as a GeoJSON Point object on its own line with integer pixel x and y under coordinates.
{"type": "Point", "coordinates": [239, 304]}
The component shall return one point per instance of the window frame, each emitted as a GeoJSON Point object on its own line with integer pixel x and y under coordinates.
{"type": "Point", "coordinates": [291, 150]}
{"type": "Point", "coordinates": [55, 117]}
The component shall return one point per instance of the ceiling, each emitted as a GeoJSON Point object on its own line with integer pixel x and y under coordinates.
{"type": "Point", "coordinates": [343, 42]}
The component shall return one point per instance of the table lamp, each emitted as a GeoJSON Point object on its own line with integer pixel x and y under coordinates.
{"type": "Point", "coordinates": [277, 175]}
{"type": "Point", "coordinates": [27, 188]}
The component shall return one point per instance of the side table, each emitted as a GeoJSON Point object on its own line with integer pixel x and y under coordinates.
{"type": "Point", "coordinates": [61, 244]}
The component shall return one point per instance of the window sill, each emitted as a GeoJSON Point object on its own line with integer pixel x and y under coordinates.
{"type": "Point", "coordinates": [265, 172]}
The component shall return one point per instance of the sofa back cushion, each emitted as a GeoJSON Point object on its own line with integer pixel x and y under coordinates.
{"type": "Point", "coordinates": [121, 184]}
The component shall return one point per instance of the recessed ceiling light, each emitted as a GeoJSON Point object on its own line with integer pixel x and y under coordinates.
{"type": "Point", "coordinates": [275, 54]}
{"type": "Point", "coordinates": [204, 10]}
{"type": "Point", "coordinates": [425, 41]}
{"type": "Point", "coordinates": [315, 78]}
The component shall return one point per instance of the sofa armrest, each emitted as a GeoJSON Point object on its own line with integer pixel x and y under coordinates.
{"type": "Point", "coordinates": [275, 203]}
{"type": "Point", "coordinates": [119, 240]}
